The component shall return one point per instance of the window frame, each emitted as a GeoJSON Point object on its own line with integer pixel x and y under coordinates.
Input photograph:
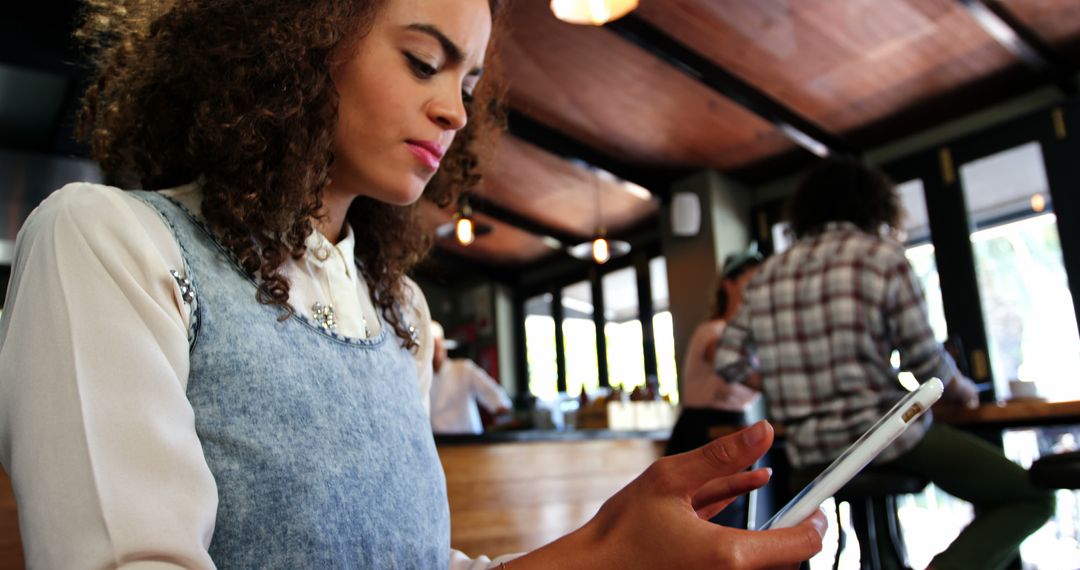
{"type": "Point", "coordinates": [594, 274]}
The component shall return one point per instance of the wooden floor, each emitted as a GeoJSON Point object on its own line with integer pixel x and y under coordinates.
{"type": "Point", "coordinates": [514, 497]}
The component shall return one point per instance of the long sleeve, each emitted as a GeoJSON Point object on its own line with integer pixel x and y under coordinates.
{"type": "Point", "coordinates": [95, 428]}
{"type": "Point", "coordinates": [732, 360]}
{"type": "Point", "coordinates": [488, 392]}
{"type": "Point", "coordinates": [906, 315]}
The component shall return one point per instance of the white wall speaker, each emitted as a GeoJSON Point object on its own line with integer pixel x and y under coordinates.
{"type": "Point", "coordinates": [685, 214]}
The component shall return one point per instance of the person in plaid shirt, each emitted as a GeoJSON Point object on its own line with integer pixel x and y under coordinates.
{"type": "Point", "coordinates": [818, 325]}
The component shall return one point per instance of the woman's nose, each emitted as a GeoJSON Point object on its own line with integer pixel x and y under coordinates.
{"type": "Point", "coordinates": [449, 111]}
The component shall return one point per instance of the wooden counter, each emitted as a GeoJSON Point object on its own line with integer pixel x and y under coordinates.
{"type": "Point", "coordinates": [516, 496]}
{"type": "Point", "coordinates": [1012, 413]}
{"type": "Point", "coordinates": [11, 555]}
{"type": "Point", "coordinates": [508, 492]}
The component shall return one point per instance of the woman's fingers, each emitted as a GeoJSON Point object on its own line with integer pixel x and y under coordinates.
{"type": "Point", "coordinates": [725, 456]}
{"type": "Point", "coordinates": [717, 494]}
{"type": "Point", "coordinates": [778, 547]}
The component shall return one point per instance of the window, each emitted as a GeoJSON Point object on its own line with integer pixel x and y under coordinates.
{"type": "Point", "coordinates": [540, 347]}
{"type": "Point", "coordinates": [663, 330]}
{"type": "Point", "coordinates": [782, 237]}
{"type": "Point", "coordinates": [579, 338]}
{"type": "Point", "coordinates": [920, 252]}
{"type": "Point", "coordinates": [624, 335]}
{"type": "Point", "coordinates": [622, 329]}
{"type": "Point", "coordinates": [1031, 325]}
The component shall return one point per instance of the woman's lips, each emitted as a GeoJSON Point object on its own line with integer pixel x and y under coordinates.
{"type": "Point", "coordinates": [429, 154]}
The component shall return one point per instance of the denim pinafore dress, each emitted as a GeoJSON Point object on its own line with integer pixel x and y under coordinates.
{"type": "Point", "coordinates": [320, 448]}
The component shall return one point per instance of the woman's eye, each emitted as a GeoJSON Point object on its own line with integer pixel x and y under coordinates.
{"type": "Point", "coordinates": [421, 68]}
{"type": "Point", "coordinates": [466, 97]}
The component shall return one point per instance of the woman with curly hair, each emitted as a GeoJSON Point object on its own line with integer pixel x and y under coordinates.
{"type": "Point", "coordinates": [230, 367]}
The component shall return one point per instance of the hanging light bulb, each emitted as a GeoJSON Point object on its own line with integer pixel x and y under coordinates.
{"type": "Point", "coordinates": [464, 229]}
{"type": "Point", "coordinates": [600, 249]}
{"type": "Point", "coordinates": [1038, 202]}
{"type": "Point", "coordinates": [591, 12]}
{"type": "Point", "coordinates": [601, 252]}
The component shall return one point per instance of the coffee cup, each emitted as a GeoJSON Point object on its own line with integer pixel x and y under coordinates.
{"type": "Point", "coordinates": [1023, 389]}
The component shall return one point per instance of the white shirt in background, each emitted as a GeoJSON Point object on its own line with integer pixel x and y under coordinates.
{"type": "Point", "coordinates": [455, 390]}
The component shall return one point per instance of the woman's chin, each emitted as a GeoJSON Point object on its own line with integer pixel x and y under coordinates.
{"type": "Point", "coordinates": [405, 198]}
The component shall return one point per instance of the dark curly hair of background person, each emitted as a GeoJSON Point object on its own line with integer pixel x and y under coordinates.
{"type": "Point", "coordinates": [238, 94]}
{"type": "Point", "coordinates": [843, 189]}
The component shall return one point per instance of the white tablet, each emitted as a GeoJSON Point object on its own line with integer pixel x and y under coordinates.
{"type": "Point", "coordinates": [859, 455]}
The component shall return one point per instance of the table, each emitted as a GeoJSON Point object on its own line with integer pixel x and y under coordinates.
{"type": "Point", "coordinates": [1028, 412]}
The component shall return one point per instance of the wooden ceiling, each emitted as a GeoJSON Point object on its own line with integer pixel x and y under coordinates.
{"type": "Point", "coordinates": [862, 71]}
{"type": "Point", "coordinates": [704, 87]}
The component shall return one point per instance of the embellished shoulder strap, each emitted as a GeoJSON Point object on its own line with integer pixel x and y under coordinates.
{"type": "Point", "coordinates": [183, 276]}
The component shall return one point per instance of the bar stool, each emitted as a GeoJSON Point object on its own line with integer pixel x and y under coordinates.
{"type": "Point", "coordinates": [872, 496]}
{"type": "Point", "coordinates": [1058, 471]}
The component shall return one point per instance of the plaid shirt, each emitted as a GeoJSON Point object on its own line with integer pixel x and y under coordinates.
{"type": "Point", "coordinates": [822, 320]}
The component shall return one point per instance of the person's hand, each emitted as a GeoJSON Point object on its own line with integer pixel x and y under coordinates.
{"type": "Point", "coordinates": [660, 520]}
{"type": "Point", "coordinates": [962, 391]}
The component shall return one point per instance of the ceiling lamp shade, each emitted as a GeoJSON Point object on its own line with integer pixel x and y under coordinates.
{"type": "Point", "coordinates": [591, 12]}
{"type": "Point", "coordinates": [600, 249]}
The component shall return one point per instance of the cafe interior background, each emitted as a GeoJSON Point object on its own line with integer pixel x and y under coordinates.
{"type": "Point", "coordinates": [675, 132]}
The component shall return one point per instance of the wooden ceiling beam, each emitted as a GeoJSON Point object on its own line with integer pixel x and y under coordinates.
{"type": "Point", "coordinates": [523, 223]}
{"type": "Point", "coordinates": [1022, 42]}
{"type": "Point", "coordinates": [524, 127]}
{"type": "Point", "coordinates": [796, 127]}
{"type": "Point", "coordinates": [451, 269]}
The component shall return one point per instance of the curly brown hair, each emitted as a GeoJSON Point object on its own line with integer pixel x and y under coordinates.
{"type": "Point", "coordinates": [844, 189]}
{"type": "Point", "coordinates": [238, 94]}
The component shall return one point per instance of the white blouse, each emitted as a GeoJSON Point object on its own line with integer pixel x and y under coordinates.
{"type": "Point", "coordinates": [95, 428]}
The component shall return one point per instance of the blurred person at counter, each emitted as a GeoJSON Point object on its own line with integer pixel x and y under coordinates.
{"type": "Point", "coordinates": [707, 399]}
{"type": "Point", "coordinates": [457, 387]}
{"type": "Point", "coordinates": [823, 319]}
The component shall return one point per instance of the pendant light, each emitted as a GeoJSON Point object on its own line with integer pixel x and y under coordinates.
{"type": "Point", "coordinates": [591, 12]}
{"type": "Point", "coordinates": [464, 229]}
{"type": "Point", "coordinates": [600, 249]}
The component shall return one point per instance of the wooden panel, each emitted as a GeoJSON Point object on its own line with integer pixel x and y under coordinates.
{"type": "Point", "coordinates": [515, 497]}
{"type": "Point", "coordinates": [841, 64]}
{"type": "Point", "coordinates": [504, 245]}
{"type": "Point", "coordinates": [595, 86]}
{"type": "Point", "coordinates": [1057, 22]}
{"type": "Point", "coordinates": [11, 555]}
{"type": "Point", "coordinates": [560, 195]}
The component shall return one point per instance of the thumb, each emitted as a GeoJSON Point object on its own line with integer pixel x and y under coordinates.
{"type": "Point", "coordinates": [782, 547]}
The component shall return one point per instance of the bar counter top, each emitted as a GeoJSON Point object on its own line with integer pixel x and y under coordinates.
{"type": "Point", "coordinates": [524, 436]}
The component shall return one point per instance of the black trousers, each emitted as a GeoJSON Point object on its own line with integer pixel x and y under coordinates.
{"type": "Point", "coordinates": [691, 431]}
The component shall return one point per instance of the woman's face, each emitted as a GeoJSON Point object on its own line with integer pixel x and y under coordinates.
{"type": "Point", "coordinates": [402, 90]}
{"type": "Point", "coordinates": [735, 288]}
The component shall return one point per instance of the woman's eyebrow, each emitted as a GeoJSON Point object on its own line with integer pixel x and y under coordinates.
{"type": "Point", "coordinates": [452, 51]}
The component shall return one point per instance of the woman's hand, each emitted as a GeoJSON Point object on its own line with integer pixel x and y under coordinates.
{"type": "Point", "coordinates": [660, 520]}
